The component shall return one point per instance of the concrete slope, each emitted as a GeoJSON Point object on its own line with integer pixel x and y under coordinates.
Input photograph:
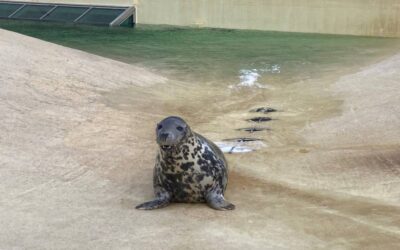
{"type": "Point", "coordinates": [72, 167]}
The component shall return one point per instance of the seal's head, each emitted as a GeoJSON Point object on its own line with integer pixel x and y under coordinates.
{"type": "Point", "coordinates": [172, 132]}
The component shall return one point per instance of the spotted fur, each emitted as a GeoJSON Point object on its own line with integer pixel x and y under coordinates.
{"type": "Point", "coordinates": [194, 171]}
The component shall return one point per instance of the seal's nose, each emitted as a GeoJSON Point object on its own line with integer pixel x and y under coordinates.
{"type": "Point", "coordinates": [164, 136]}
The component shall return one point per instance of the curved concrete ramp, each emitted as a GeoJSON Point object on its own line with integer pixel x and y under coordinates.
{"type": "Point", "coordinates": [72, 166]}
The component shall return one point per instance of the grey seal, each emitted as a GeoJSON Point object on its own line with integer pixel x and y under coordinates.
{"type": "Point", "coordinates": [189, 168]}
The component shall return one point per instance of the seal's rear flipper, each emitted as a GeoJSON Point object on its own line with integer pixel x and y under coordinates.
{"type": "Point", "coordinates": [158, 203]}
{"type": "Point", "coordinates": [218, 202]}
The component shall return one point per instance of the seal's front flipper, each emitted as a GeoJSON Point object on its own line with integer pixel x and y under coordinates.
{"type": "Point", "coordinates": [217, 201]}
{"type": "Point", "coordinates": [158, 203]}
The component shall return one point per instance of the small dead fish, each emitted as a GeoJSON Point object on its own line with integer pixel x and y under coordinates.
{"type": "Point", "coordinates": [259, 119]}
{"type": "Point", "coordinates": [243, 139]}
{"type": "Point", "coordinates": [264, 110]}
{"type": "Point", "coordinates": [253, 129]}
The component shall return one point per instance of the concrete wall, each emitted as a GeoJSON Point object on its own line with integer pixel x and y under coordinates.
{"type": "Point", "coordinates": [353, 17]}
{"type": "Point", "coordinates": [98, 2]}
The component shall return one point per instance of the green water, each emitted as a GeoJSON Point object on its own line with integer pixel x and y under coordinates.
{"type": "Point", "coordinates": [216, 76]}
{"type": "Point", "coordinates": [218, 55]}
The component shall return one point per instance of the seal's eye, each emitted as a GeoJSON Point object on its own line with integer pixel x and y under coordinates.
{"type": "Point", "coordinates": [179, 128]}
{"type": "Point", "coordinates": [159, 126]}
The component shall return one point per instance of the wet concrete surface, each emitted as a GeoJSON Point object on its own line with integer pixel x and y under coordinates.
{"type": "Point", "coordinates": [77, 156]}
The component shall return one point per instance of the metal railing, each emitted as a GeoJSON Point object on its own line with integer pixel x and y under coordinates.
{"type": "Point", "coordinates": [112, 15]}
